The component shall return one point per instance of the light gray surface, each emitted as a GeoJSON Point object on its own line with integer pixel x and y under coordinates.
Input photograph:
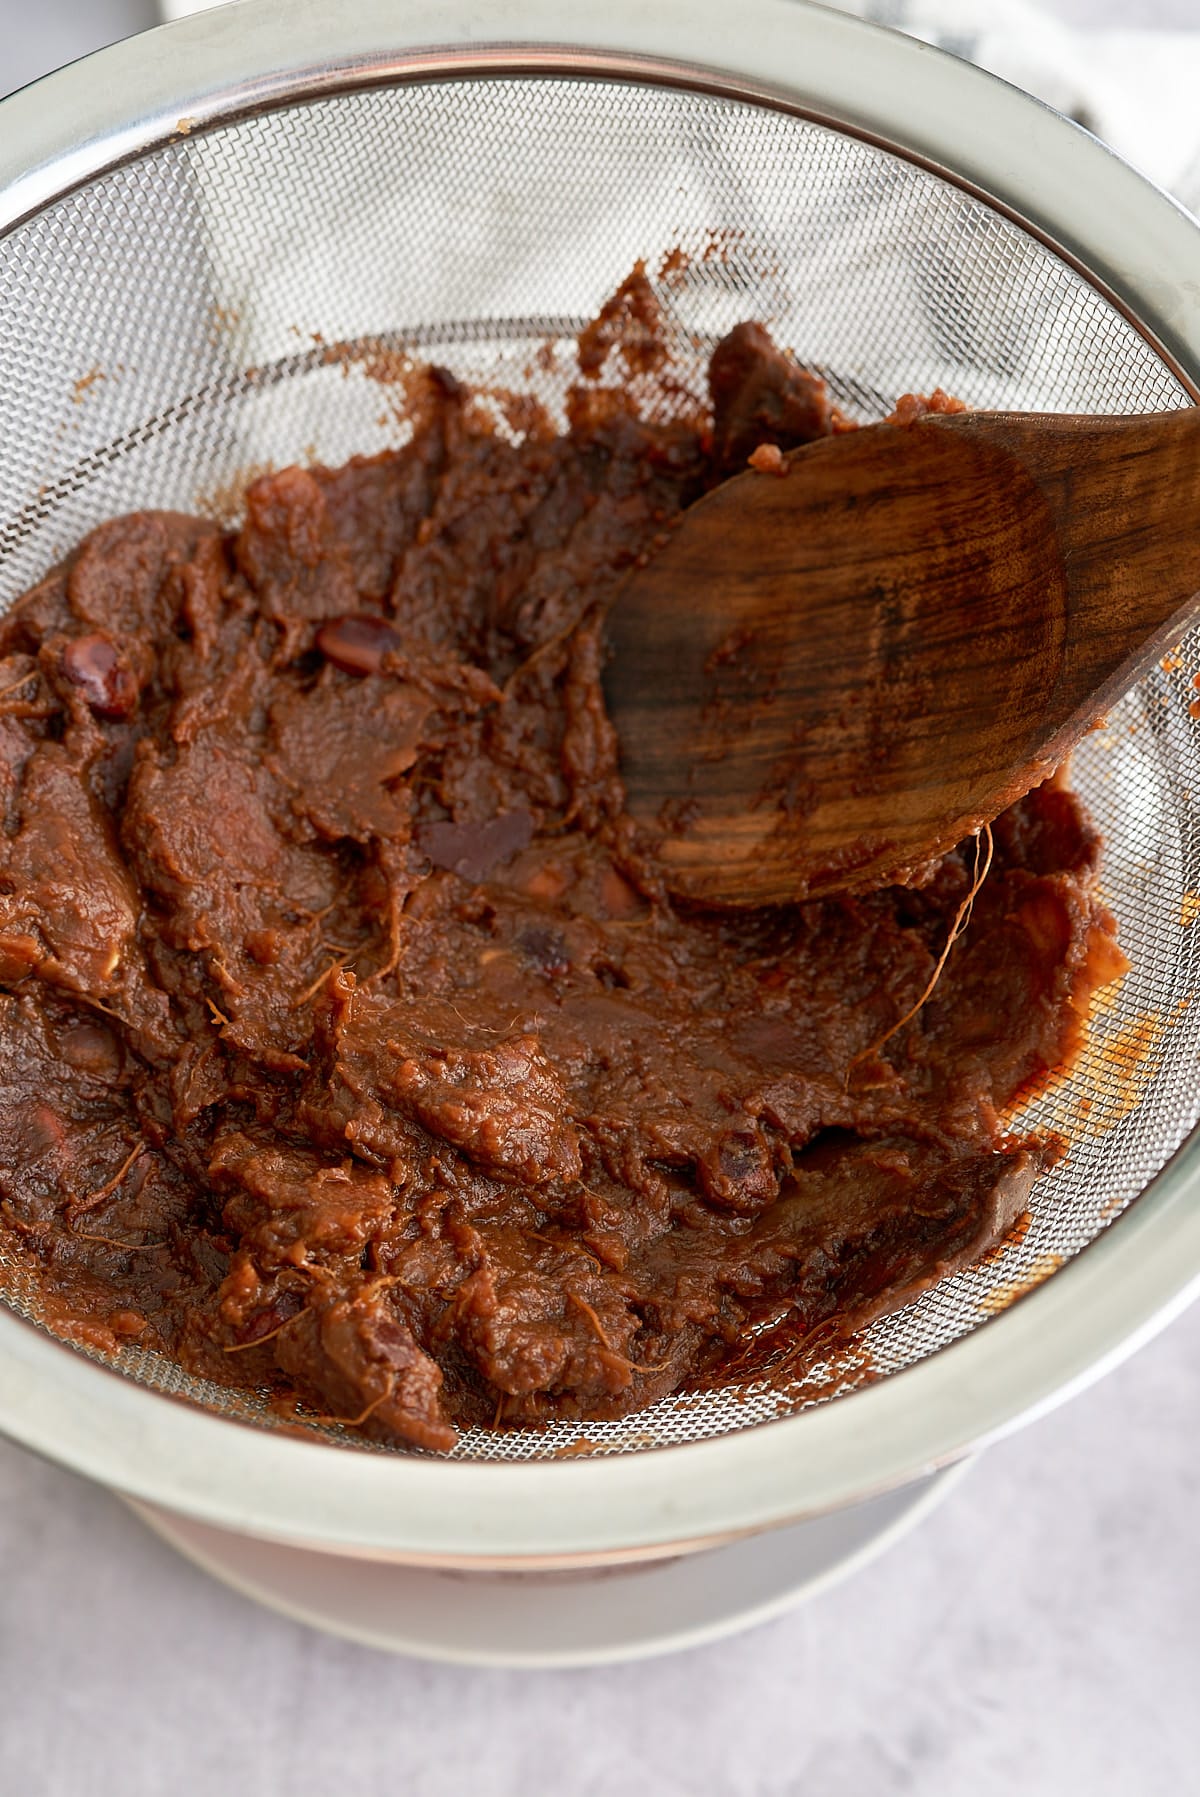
{"type": "Point", "coordinates": [1038, 1635]}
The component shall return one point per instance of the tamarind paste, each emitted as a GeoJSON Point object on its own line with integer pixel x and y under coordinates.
{"type": "Point", "coordinates": [349, 1048]}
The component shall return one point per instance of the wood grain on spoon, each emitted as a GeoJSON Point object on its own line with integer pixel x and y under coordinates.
{"type": "Point", "coordinates": [823, 681]}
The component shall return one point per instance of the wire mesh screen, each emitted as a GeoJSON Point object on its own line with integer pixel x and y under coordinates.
{"type": "Point", "coordinates": [184, 320]}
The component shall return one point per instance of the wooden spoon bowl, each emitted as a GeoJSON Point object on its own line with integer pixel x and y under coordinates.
{"type": "Point", "coordinates": [825, 680]}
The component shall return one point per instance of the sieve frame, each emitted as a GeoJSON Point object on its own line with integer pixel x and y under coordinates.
{"type": "Point", "coordinates": [1135, 246]}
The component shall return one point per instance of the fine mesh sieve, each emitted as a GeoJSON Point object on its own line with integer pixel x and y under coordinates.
{"type": "Point", "coordinates": [227, 300]}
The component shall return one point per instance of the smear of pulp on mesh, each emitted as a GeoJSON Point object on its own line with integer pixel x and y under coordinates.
{"type": "Point", "coordinates": [352, 1047]}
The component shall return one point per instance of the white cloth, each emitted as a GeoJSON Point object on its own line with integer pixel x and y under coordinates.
{"type": "Point", "coordinates": [1135, 89]}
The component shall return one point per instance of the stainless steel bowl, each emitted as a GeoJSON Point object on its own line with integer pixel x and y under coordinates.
{"type": "Point", "coordinates": [189, 219]}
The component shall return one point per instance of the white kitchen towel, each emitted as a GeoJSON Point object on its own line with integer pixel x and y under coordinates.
{"type": "Point", "coordinates": [1135, 89]}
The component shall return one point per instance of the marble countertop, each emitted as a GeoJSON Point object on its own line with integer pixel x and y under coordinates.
{"type": "Point", "coordinates": [1038, 1634]}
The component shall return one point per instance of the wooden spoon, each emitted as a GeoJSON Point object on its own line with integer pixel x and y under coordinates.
{"type": "Point", "coordinates": [823, 681]}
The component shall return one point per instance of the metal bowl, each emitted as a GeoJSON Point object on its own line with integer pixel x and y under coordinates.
{"type": "Point", "coordinates": [183, 215]}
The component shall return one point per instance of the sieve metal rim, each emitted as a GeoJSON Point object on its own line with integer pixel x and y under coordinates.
{"type": "Point", "coordinates": [1132, 243]}
{"type": "Point", "coordinates": [235, 71]}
